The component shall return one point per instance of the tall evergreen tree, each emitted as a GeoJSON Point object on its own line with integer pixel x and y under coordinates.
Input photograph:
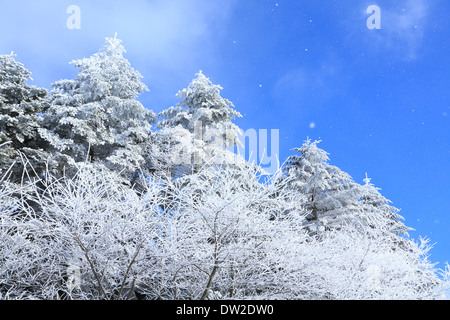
{"type": "Point", "coordinates": [203, 111]}
{"type": "Point", "coordinates": [20, 106]}
{"type": "Point", "coordinates": [198, 130]}
{"type": "Point", "coordinates": [379, 213]}
{"type": "Point", "coordinates": [96, 115]}
{"type": "Point", "coordinates": [334, 200]}
{"type": "Point", "coordinates": [331, 199]}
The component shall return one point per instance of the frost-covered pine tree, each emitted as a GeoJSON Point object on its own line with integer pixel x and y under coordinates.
{"type": "Point", "coordinates": [331, 196]}
{"type": "Point", "coordinates": [96, 115]}
{"type": "Point", "coordinates": [20, 105]}
{"type": "Point", "coordinates": [334, 200]}
{"type": "Point", "coordinates": [203, 110]}
{"type": "Point", "coordinates": [202, 121]}
{"type": "Point", "coordinates": [379, 214]}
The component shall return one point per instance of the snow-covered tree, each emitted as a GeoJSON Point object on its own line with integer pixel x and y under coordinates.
{"type": "Point", "coordinates": [331, 195]}
{"type": "Point", "coordinates": [334, 200]}
{"type": "Point", "coordinates": [352, 265]}
{"type": "Point", "coordinates": [19, 254]}
{"type": "Point", "coordinates": [20, 105]}
{"type": "Point", "coordinates": [203, 111]}
{"type": "Point", "coordinates": [93, 239]}
{"type": "Point", "coordinates": [227, 231]}
{"type": "Point", "coordinates": [379, 213]}
{"type": "Point", "coordinates": [202, 125]}
{"type": "Point", "coordinates": [96, 116]}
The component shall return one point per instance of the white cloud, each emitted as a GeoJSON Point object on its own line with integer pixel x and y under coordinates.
{"type": "Point", "coordinates": [403, 28]}
{"type": "Point", "coordinates": [165, 36]}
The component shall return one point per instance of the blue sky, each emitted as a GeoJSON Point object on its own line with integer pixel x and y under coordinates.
{"type": "Point", "coordinates": [378, 99]}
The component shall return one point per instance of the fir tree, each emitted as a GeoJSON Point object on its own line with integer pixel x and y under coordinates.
{"type": "Point", "coordinates": [96, 115]}
{"type": "Point", "coordinates": [331, 196]}
{"type": "Point", "coordinates": [20, 106]}
{"type": "Point", "coordinates": [203, 111]}
{"type": "Point", "coordinates": [380, 215]}
{"type": "Point", "coordinates": [196, 132]}
{"type": "Point", "coordinates": [334, 200]}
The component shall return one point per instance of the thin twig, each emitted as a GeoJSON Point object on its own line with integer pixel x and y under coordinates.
{"type": "Point", "coordinates": [129, 269]}
{"type": "Point", "coordinates": [86, 254]}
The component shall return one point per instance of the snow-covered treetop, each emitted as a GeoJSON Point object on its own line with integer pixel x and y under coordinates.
{"type": "Point", "coordinates": [13, 81]}
{"type": "Point", "coordinates": [379, 210]}
{"type": "Point", "coordinates": [309, 170]}
{"type": "Point", "coordinates": [203, 109]}
{"type": "Point", "coordinates": [204, 102]}
{"type": "Point", "coordinates": [12, 71]}
{"type": "Point", "coordinates": [199, 128]}
{"type": "Point", "coordinates": [309, 153]}
{"type": "Point", "coordinates": [114, 46]}
{"type": "Point", "coordinates": [106, 73]}
{"type": "Point", "coordinates": [19, 102]}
